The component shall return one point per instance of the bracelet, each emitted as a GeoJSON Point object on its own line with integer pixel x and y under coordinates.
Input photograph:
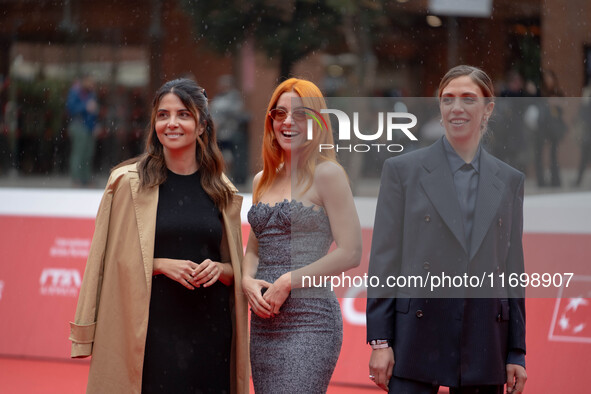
{"type": "Point", "coordinates": [379, 344]}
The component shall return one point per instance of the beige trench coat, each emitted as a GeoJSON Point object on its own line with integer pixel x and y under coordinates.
{"type": "Point", "coordinates": [112, 314]}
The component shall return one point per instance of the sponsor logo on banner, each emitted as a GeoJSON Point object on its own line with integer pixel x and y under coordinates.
{"type": "Point", "coordinates": [70, 247]}
{"type": "Point", "coordinates": [351, 314]}
{"type": "Point", "coordinates": [572, 313]}
{"type": "Point", "coordinates": [1, 288]}
{"type": "Point", "coordinates": [60, 282]}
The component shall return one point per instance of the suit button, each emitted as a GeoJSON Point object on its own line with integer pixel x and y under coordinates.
{"type": "Point", "coordinates": [426, 265]}
{"type": "Point", "coordinates": [419, 313]}
{"type": "Point", "coordinates": [427, 218]}
{"type": "Point", "coordinates": [500, 222]}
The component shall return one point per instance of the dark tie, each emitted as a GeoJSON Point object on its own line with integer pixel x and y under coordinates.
{"type": "Point", "coordinates": [467, 198]}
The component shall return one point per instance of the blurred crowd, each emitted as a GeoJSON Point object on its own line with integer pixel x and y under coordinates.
{"type": "Point", "coordinates": [85, 128]}
{"type": "Point", "coordinates": [82, 130]}
{"type": "Point", "coordinates": [531, 123]}
{"type": "Point", "coordinates": [47, 127]}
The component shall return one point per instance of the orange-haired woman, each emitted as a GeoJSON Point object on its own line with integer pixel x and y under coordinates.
{"type": "Point", "coordinates": [302, 202]}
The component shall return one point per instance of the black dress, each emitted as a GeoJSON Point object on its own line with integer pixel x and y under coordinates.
{"type": "Point", "coordinates": [189, 331]}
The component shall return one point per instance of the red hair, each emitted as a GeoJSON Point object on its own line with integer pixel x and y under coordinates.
{"type": "Point", "coordinates": [309, 155]}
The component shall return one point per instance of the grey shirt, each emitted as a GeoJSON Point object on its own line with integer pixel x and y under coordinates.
{"type": "Point", "coordinates": [465, 177]}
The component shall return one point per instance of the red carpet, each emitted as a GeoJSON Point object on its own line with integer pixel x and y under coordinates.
{"type": "Point", "coordinates": [28, 376]}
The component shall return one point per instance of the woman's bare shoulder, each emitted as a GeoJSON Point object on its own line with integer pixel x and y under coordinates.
{"type": "Point", "coordinates": [257, 179]}
{"type": "Point", "coordinates": [328, 171]}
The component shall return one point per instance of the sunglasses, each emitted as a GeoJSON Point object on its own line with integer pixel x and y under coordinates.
{"type": "Point", "coordinates": [279, 114]}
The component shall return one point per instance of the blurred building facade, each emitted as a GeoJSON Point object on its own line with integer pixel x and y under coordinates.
{"type": "Point", "coordinates": [132, 47]}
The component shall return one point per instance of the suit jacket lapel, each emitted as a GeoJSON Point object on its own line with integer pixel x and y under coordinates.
{"type": "Point", "coordinates": [490, 192]}
{"type": "Point", "coordinates": [439, 187]}
{"type": "Point", "coordinates": [145, 204]}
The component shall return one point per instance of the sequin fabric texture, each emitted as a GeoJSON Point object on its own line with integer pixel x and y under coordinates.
{"type": "Point", "coordinates": [296, 351]}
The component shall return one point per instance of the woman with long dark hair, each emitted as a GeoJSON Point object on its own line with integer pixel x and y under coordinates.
{"type": "Point", "coordinates": [161, 308]}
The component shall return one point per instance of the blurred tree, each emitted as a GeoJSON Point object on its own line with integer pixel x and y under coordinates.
{"type": "Point", "coordinates": [529, 62]}
{"type": "Point", "coordinates": [287, 30]}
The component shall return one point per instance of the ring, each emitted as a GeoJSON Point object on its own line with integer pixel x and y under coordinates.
{"type": "Point", "coordinates": [372, 377]}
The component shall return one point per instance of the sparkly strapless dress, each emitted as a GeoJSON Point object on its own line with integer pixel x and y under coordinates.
{"type": "Point", "coordinates": [296, 351]}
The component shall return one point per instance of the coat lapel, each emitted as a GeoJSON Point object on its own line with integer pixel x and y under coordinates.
{"type": "Point", "coordinates": [439, 187]}
{"type": "Point", "coordinates": [145, 204]}
{"type": "Point", "coordinates": [233, 231]}
{"type": "Point", "coordinates": [231, 215]}
{"type": "Point", "coordinates": [490, 193]}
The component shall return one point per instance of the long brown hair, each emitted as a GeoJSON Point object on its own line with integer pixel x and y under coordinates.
{"type": "Point", "coordinates": [309, 155]}
{"type": "Point", "coordinates": [151, 164]}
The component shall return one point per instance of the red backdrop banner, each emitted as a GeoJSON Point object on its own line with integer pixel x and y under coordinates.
{"type": "Point", "coordinates": [43, 259]}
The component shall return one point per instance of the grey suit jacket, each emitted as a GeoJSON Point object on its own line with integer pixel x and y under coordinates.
{"type": "Point", "coordinates": [464, 337]}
